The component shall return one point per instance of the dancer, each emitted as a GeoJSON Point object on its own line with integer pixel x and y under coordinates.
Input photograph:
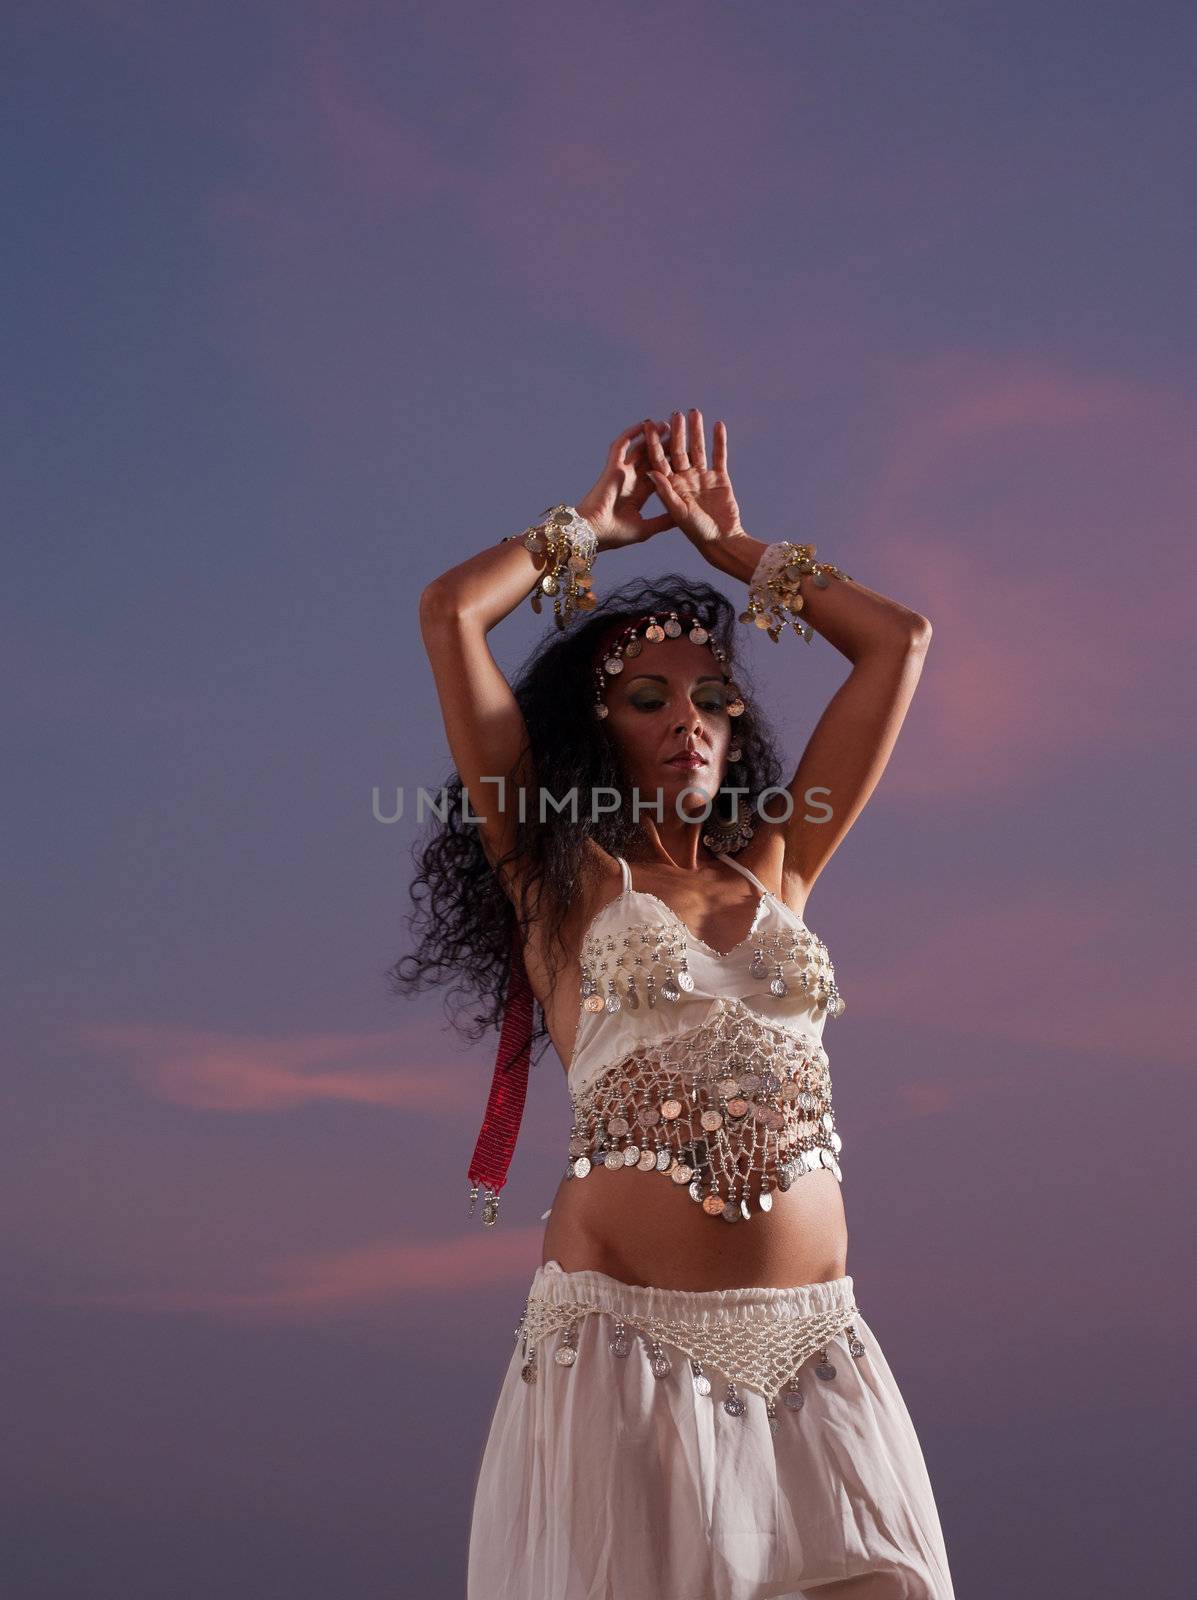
{"type": "Point", "coordinates": [695, 1404]}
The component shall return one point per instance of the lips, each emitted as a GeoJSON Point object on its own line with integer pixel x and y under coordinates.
{"type": "Point", "coordinates": [693, 760]}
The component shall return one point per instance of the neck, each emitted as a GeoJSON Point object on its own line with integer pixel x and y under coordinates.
{"type": "Point", "coordinates": [675, 843]}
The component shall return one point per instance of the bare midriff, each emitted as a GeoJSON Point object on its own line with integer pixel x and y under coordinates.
{"type": "Point", "coordinates": [635, 1227]}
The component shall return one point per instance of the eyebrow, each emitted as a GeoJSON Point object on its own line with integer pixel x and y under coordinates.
{"type": "Point", "coordinates": [707, 677]}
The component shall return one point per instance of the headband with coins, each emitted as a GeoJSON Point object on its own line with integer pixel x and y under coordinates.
{"type": "Point", "coordinates": [625, 641]}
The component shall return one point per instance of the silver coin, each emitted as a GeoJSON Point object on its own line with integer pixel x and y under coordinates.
{"type": "Point", "coordinates": [730, 1212]}
{"type": "Point", "coordinates": [664, 1157]}
{"type": "Point", "coordinates": [825, 1370]}
{"type": "Point", "coordinates": [794, 1399]}
{"type": "Point", "coordinates": [696, 1189]}
{"type": "Point", "coordinates": [685, 981]}
{"type": "Point", "coordinates": [581, 1166]}
{"type": "Point", "coordinates": [631, 1155]}
{"type": "Point", "coordinates": [765, 1200]}
{"type": "Point", "coordinates": [702, 1384]}
{"type": "Point", "coordinates": [734, 1406]}
{"type": "Point", "coordinates": [566, 1356]}
{"type": "Point", "coordinates": [613, 1159]}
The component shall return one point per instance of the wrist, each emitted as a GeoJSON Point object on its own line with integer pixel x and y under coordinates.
{"type": "Point", "coordinates": [604, 538]}
{"type": "Point", "coordinates": [736, 553]}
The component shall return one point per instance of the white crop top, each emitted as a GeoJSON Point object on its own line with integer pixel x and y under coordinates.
{"type": "Point", "coordinates": [704, 1066]}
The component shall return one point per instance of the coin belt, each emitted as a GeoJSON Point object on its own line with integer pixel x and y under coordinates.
{"type": "Point", "coordinates": [763, 1354]}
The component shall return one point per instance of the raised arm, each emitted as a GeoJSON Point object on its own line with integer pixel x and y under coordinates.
{"type": "Point", "coordinates": [885, 641]}
{"type": "Point", "coordinates": [483, 722]}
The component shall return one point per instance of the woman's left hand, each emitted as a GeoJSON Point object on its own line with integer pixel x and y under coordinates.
{"type": "Point", "coordinates": [699, 498]}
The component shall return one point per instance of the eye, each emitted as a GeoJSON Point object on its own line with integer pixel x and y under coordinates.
{"type": "Point", "coordinates": [711, 700]}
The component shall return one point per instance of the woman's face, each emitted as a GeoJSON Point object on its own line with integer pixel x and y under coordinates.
{"type": "Point", "coordinates": [670, 698]}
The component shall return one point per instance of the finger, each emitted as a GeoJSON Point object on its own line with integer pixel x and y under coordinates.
{"type": "Point", "coordinates": [639, 451]}
{"type": "Point", "coordinates": [658, 524]}
{"type": "Point", "coordinates": [698, 444]}
{"type": "Point", "coordinates": [720, 462]}
{"type": "Point", "coordinates": [681, 460]}
{"type": "Point", "coordinates": [670, 498]}
{"type": "Point", "coordinates": [619, 453]}
{"type": "Point", "coordinates": [655, 453]}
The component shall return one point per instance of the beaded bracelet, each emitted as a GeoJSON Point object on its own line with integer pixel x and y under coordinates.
{"type": "Point", "coordinates": [569, 544]}
{"type": "Point", "coordinates": [774, 587]}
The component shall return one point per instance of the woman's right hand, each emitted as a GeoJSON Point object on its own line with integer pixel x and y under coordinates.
{"type": "Point", "coordinates": [614, 507]}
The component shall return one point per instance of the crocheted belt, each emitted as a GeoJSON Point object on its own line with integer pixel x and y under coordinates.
{"type": "Point", "coordinates": [759, 1353]}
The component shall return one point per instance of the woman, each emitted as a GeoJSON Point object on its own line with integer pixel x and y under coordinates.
{"type": "Point", "coordinates": [756, 1443]}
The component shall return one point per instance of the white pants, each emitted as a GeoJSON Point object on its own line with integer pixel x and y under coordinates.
{"type": "Point", "coordinates": [603, 1479]}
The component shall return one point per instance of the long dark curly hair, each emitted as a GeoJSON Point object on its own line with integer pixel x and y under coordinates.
{"type": "Point", "coordinates": [464, 919]}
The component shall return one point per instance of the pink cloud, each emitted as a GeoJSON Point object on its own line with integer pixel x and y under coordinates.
{"type": "Point", "coordinates": [409, 1069]}
{"type": "Point", "coordinates": [1016, 506]}
{"type": "Point", "coordinates": [1044, 966]}
{"type": "Point", "coordinates": [305, 1286]}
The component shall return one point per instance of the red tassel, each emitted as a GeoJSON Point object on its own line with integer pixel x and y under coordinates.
{"type": "Point", "coordinates": [509, 1087]}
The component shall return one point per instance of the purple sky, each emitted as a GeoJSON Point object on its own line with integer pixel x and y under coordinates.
{"type": "Point", "coordinates": [309, 301]}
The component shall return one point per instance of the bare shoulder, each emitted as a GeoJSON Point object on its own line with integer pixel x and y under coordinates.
{"type": "Point", "coordinates": [600, 882]}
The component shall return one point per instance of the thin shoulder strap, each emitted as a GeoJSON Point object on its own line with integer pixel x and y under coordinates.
{"type": "Point", "coordinates": [627, 876]}
{"type": "Point", "coordinates": [740, 867]}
